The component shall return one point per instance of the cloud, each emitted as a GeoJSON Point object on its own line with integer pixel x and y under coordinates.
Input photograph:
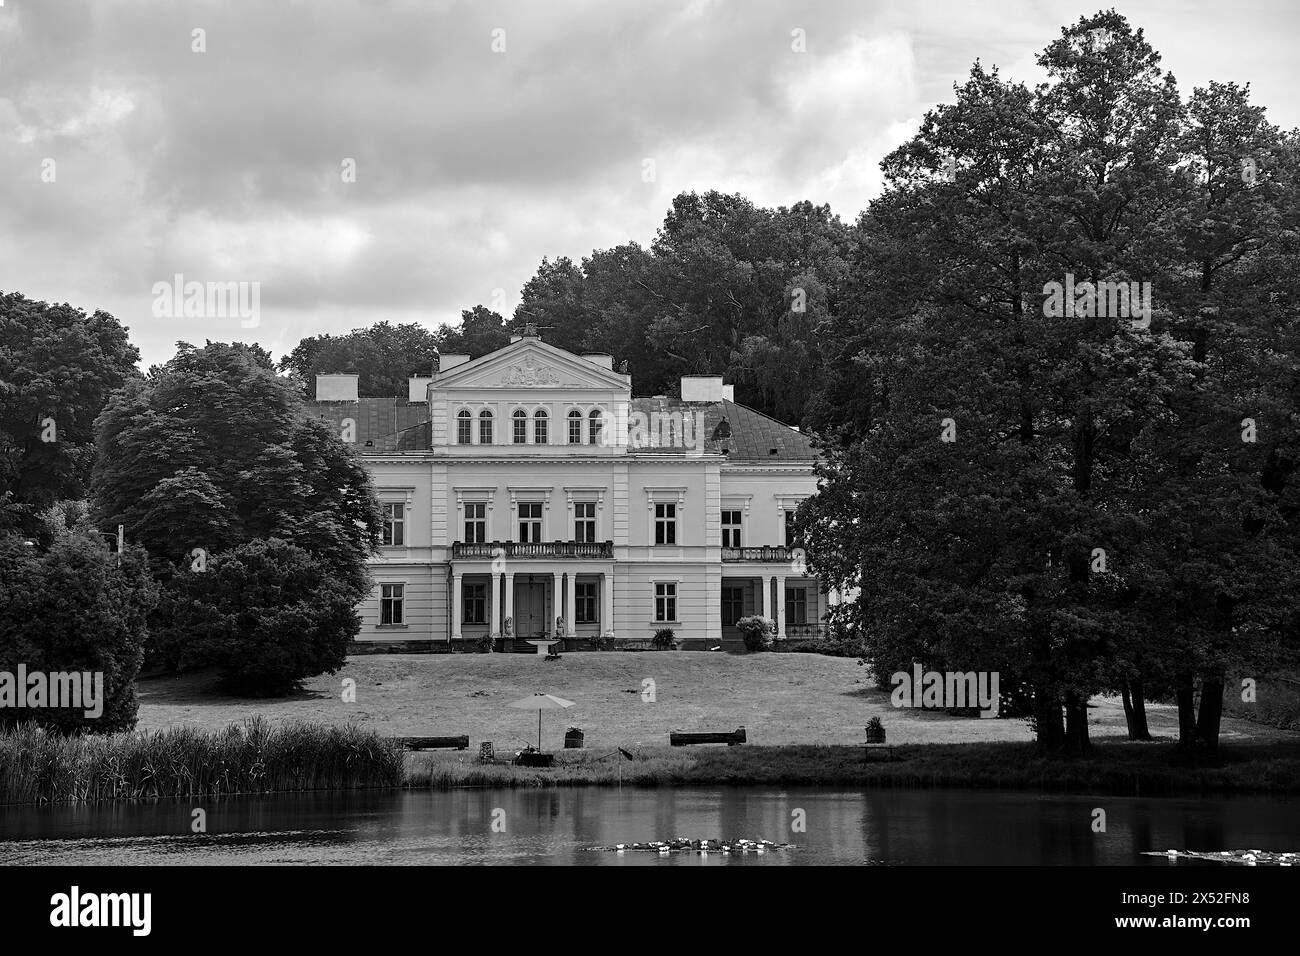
{"type": "Point", "coordinates": [471, 165]}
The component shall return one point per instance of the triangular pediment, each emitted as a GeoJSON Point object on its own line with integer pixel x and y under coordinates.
{"type": "Point", "coordinates": [531, 363]}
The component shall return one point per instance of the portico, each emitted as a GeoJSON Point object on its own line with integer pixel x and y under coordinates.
{"type": "Point", "coordinates": [528, 600]}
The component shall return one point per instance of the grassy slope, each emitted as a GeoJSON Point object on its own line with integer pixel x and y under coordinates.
{"type": "Point", "coordinates": [779, 698]}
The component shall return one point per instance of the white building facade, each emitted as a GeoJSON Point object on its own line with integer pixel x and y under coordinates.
{"type": "Point", "coordinates": [527, 495]}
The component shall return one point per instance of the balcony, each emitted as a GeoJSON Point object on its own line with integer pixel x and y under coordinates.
{"type": "Point", "coordinates": [542, 549]}
{"type": "Point", "coordinates": [773, 552]}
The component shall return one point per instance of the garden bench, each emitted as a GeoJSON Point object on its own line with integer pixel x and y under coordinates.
{"type": "Point", "coordinates": [730, 738]}
{"type": "Point", "coordinates": [435, 743]}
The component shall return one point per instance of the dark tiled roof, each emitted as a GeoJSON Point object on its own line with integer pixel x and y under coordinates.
{"type": "Point", "coordinates": [746, 436]}
{"type": "Point", "coordinates": [391, 425]}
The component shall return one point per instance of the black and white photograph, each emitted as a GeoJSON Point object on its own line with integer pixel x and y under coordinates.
{"type": "Point", "coordinates": [650, 434]}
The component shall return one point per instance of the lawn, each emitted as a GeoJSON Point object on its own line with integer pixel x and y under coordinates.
{"type": "Point", "coordinates": [778, 698]}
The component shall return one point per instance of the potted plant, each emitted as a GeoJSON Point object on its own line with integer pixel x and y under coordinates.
{"type": "Point", "coordinates": [875, 731]}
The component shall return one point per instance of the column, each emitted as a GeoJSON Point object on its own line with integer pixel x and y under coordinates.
{"type": "Point", "coordinates": [556, 598]}
{"type": "Point", "coordinates": [607, 604]}
{"type": "Point", "coordinates": [780, 608]}
{"type": "Point", "coordinates": [765, 596]}
{"type": "Point", "coordinates": [510, 604]}
{"type": "Point", "coordinates": [571, 605]}
{"type": "Point", "coordinates": [494, 594]}
{"type": "Point", "coordinates": [457, 605]}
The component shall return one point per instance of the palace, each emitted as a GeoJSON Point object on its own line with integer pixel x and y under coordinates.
{"type": "Point", "coordinates": [526, 495]}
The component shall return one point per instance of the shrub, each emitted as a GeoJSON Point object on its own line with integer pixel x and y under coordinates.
{"type": "Point", "coordinates": [603, 643]}
{"type": "Point", "coordinates": [757, 631]}
{"type": "Point", "coordinates": [267, 614]}
{"type": "Point", "coordinates": [664, 640]}
{"type": "Point", "coordinates": [74, 609]}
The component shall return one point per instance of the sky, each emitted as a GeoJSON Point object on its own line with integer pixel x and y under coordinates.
{"type": "Point", "coordinates": [352, 161]}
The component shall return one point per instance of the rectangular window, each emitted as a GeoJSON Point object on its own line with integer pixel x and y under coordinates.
{"type": "Point", "coordinates": [665, 523]}
{"type": "Point", "coordinates": [575, 428]}
{"type": "Point", "coordinates": [731, 529]}
{"type": "Point", "coordinates": [789, 529]}
{"type": "Point", "coordinates": [530, 522]}
{"type": "Point", "coordinates": [733, 604]}
{"type": "Point", "coordinates": [475, 522]}
{"type": "Point", "coordinates": [394, 532]}
{"type": "Point", "coordinates": [584, 597]}
{"type": "Point", "coordinates": [390, 603]}
{"type": "Point", "coordinates": [584, 521]}
{"type": "Point", "coordinates": [666, 602]}
{"type": "Point", "coordinates": [485, 428]}
{"type": "Point", "coordinates": [796, 606]}
{"type": "Point", "coordinates": [520, 428]}
{"type": "Point", "coordinates": [539, 429]}
{"type": "Point", "coordinates": [475, 604]}
{"type": "Point", "coordinates": [464, 428]}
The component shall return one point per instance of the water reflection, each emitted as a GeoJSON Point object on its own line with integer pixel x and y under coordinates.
{"type": "Point", "coordinates": [558, 826]}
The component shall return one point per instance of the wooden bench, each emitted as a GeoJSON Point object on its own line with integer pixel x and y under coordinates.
{"type": "Point", "coordinates": [435, 743]}
{"type": "Point", "coordinates": [730, 738]}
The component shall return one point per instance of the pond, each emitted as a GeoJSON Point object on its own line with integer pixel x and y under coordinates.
{"type": "Point", "coordinates": [558, 826]}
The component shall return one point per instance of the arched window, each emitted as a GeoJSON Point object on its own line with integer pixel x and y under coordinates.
{"type": "Point", "coordinates": [463, 427]}
{"type": "Point", "coordinates": [594, 423]}
{"type": "Point", "coordinates": [520, 423]}
{"type": "Point", "coordinates": [485, 427]}
{"type": "Point", "coordinates": [539, 427]}
{"type": "Point", "coordinates": [575, 427]}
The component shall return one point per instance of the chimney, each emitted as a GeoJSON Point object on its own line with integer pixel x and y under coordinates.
{"type": "Point", "coordinates": [702, 388]}
{"type": "Point", "coordinates": [600, 358]}
{"type": "Point", "coordinates": [729, 393]}
{"type": "Point", "coordinates": [449, 361]}
{"type": "Point", "coordinates": [417, 389]}
{"type": "Point", "coordinates": [336, 388]}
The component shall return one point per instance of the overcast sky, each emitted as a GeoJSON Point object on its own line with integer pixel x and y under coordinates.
{"type": "Point", "coordinates": [471, 164]}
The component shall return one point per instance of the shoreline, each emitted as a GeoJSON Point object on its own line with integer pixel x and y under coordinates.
{"type": "Point", "coordinates": [1152, 770]}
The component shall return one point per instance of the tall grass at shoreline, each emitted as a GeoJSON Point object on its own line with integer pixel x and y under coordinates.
{"type": "Point", "coordinates": [249, 757]}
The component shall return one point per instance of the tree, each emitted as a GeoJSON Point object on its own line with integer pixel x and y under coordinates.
{"type": "Point", "coordinates": [382, 357]}
{"type": "Point", "coordinates": [266, 614]}
{"type": "Point", "coordinates": [1037, 535]}
{"type": "Point", "coordinates": [58, 367]}
{"type": "Point", "coordinates": [212, 451]}
{"type": "Point", "coordinates": [74, 608]}
{"type": "Point", "coordinates": [481, 331]}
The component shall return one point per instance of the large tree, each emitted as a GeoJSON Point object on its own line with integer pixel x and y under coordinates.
{"type": "Point", "coordinates": [58, 367]}
{"type": "Point", "coordinates": [1057, 416]}
{"type": "Point", "coordinates": [213, 450]}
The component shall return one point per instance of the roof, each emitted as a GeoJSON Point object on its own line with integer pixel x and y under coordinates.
{"type": "Point", "coordinates": [388, 425]}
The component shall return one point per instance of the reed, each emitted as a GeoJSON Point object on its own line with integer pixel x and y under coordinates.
{"type": "Point", "coordinates": [250, 757]}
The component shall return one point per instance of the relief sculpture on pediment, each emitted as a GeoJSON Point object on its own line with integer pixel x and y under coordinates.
{"type": "Point", "coordinates": [530, 373]}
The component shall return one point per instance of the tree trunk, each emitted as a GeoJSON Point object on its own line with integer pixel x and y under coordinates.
{"type": "Point", "coordinates": [1135, 709]}
{"type": "Point", "coordinates": [1048, 722]}
{"type": "Point", "coordinates": [1076, 724]}
{"type": "Point", "coordinates": [1207, 722]}
{"type": "Point", "coordinates": [1185, 690]}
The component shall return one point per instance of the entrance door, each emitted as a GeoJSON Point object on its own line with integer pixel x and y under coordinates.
{"type": "Point", "coordinates": [530, 607]}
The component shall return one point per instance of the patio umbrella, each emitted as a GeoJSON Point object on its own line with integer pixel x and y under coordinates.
{"type": "Point", "coordinates": [541, 702]}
